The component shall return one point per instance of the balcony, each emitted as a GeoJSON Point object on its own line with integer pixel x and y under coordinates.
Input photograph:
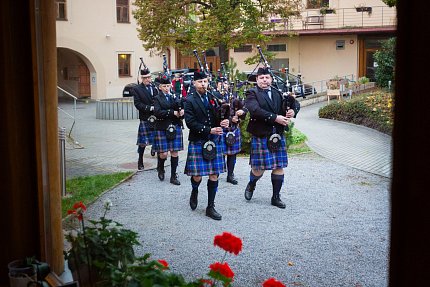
{"type": "Point", "coordinates": [378, 18]}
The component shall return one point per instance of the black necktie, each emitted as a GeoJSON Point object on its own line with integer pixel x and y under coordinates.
{"type": "Point", "coordinates": [266, 91]}
{"type": "Point", "coordinates": [205, 101]}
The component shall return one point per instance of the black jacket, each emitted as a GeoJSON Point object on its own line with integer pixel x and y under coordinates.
{"type": "Point", "coordinates": [198, 119]}
{"type": "Point", "coordinates": [143, 100]}
{"type": "Point", "coordinates": [263, 112]}
{"type": "Point", "coordinates": [164, 111]}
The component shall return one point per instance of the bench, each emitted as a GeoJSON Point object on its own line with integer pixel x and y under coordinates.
{"type": "Point", "coordinates": [314, 20]}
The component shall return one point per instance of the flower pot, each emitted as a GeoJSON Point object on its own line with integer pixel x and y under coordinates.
{"type": "Point", "coordinates": [20, 273]}
{"type": "Point", "coordinates": [364, 9]}
{"type": "Point", "coordinates": [81, 273]}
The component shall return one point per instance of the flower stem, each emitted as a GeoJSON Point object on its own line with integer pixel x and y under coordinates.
{"type": "Point", "coordinates": [87, 254]}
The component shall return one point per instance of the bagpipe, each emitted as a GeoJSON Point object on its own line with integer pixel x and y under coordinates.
{"type": "Point", "coordinates": [142, 63]}
{"type": "Point", "coordinates": [222, 107]}
{"type": "Point", "coordinates": [288, 101]}
{"type": "Point", "coordinates": [177, 98]}
{"type": "Point", "coordinates": [234, 104]}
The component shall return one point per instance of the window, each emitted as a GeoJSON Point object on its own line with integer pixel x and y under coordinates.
{"type": "Point", "coordinates": [124, 65]}
{"type": "Point", "coordinates": [243, 48]}
{"type": "Point", "coordinates": [340, 44]}
{"type": "Point", "coordinates": [312, 4]}
{"type": "Point", "coordinates": [61, 9]}
{"type": "Point", "coordinates": [277, 48]}
{"type": "Point", "coordinates": [122, 11]}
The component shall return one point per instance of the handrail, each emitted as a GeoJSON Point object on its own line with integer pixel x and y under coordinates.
{"type": "Point", "coordinates": [74, 108]}
{"type": "Point", "coordinates": [342, 18]}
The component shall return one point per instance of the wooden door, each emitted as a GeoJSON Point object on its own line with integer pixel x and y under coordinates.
{"type": "Point", "coordinates": [214, 63]}
{"type": "Point", "coordinates": [84, 89]}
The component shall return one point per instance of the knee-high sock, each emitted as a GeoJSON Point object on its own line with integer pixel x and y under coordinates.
{"type": "Point", "coordinates": [160, 165]}
{"type": "Point", "coordinates": [277, 181]}
{"type": "Point", "coordinates": [195, 184]}
{"type": "Point", "coordinates": [253, 178]}
{"type": "Point", "coordinates": [212, 189]}
{"type": "Point", "coordinates": [173, 164]}
{"type": "Point", "coordinates": [141, 151]}
{"type": "Point", "coordinates": [231, 162]}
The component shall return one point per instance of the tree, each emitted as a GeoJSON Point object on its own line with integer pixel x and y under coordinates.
{"type": "Point", "coordinates": [385, 58]}
{"type": "Point", "coordinates": [202, 24]}
{"type": "Point", "coordinates": [390, 3]}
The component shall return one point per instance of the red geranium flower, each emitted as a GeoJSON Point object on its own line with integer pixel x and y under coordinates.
{"type": "Point", "coordinates": [80, 205]}
{"type": "Point", "coordinates": [272, 282]}
{"type": "Point", "coordinates": [223, 269]}
{"type": "Point", "coordinates": [228, 242]}
{"type": "Point", "coordinates": [78, 210]}
{"type": "Point", "coordinates": [164, 263]}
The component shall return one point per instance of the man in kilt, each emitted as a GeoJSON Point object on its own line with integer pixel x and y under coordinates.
{"type": "Point", "coordinates": [143, 95]}
{"type": "Point", "coordinates": [235, 113]}
{"type": "Point", "coordinates": [268, 118]}
{"type": "Point", "coordinates": [168, 129]}
{"type": "Point", "coordinates": [206, 129]}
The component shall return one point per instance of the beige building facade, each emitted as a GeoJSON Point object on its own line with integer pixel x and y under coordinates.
{"type": "Point", "coordinates": [321, 45]}
{"type": "Point", "coordinates": [99, 51]}
{"type": "Point", "coordinates": [98, 48]}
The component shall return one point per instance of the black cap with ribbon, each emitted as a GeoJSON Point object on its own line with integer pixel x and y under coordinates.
{"type": "Point", "coordinates": [145, 73]}
{"type": "Point", "coordinates": [165, 79]}
{"type": "Point", "coordinates": [263, 71]}
{"type": "Point", "coordinates": [198, 75]}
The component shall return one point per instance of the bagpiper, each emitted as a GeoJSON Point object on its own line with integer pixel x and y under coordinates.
{"type": "Point", "coordinates": [268, 120]}
{"type": "Point", "coordinates": [143, 96]}
{"type": "Point", "coordinates": [232, 136]}
{"type": "Point", "coordinates": [168, 129]}
{"type": "Point", "coordinates": [205, 148]}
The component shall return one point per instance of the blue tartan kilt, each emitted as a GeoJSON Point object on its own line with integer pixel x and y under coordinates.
{"type": "Point", "coordinates": [236, 147]}
{"type": "Point", "coordinates": [263, 159]}
{"type": "Point", "coordinates": [197, 165]}
{"type": "Point", "coordinates": [145, 135]}
{"type": "Point", "coordinates": [161, 144]}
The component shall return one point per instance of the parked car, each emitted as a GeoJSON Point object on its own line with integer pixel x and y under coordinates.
{"type": "Point", "coordinates": [187, 75]}
{"type": "Point", "coordinates": [294, 83]}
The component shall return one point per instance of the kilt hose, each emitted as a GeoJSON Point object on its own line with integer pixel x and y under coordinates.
{"type": "Point", "coordinates": [145, 135]}
{"type": "Point", "coordinates": [236, 147]}
{"type": "Point", "coordinates": [162, 144]}
{"type": "Point", "coordinates": [261, 158]}
{"type": "Point", "coordinates": [196, 165]}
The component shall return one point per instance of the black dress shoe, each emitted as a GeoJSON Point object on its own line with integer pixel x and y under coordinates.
{"type": "Point", "coordinates": [193, 199]}
{"type": "Point", "coordinates": [249, 191]}
{"type": "Point", "coordinates": [231, 179]}
{"type": "Point", "coordinates": [161, 174]}
{"type": "Point", "coordinates": [212, 213]}
{"type": "Point", "coordinates": [276, 201]}
{"type": "Point", "coordinates": [174, 180]}
{"type": "Point", "coordinates": [140, 166]}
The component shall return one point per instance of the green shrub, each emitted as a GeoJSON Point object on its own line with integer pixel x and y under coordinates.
{"type": "Point", "coordinates": [374, 110]}
{"type": "Point", "coordinates": [386, 63]}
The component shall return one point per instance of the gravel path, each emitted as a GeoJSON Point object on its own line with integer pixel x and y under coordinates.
{"type": "Point", "coordinates": [334, 231]}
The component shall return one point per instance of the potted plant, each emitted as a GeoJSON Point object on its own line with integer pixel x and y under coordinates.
{"type": "Point", "coordinates": [327, 10]}
{"type": "Point", "coordinates": [363, 9]}
{"type": "Point", "coordinates": [97, 246]}
{"type": "Point", "coordinates": [21, 272]}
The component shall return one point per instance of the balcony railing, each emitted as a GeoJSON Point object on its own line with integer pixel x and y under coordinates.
{"type": "Point", "coordinates": [344, 18]}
